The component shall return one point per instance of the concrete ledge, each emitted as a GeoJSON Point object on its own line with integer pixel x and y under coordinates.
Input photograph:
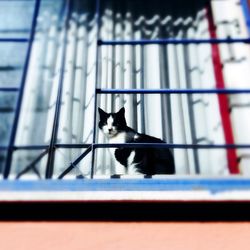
{"type": "Point", "coordinates": [150, 190]}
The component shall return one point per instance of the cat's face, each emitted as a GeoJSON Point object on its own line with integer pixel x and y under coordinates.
{"type": "Point", "coordinates": [112, 123]}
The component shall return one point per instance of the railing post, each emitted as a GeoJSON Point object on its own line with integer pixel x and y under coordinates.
{"type": "Point", "coordinates": [21, 90]}
{"type": "Point", "coordinates": [51, 150]}
{"type": "Point", "coordinates": [98, 23]}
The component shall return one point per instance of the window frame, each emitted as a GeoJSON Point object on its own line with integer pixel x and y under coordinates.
{"type": "Point", "coordinates": [165, 188]}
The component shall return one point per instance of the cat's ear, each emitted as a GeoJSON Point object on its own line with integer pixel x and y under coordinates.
{"type": "Point", "coordinates": [102, 113]}
{"type": "Point", "coordinates": [121, 111]}
{"type": "Point", "coordinates": [121, 117]}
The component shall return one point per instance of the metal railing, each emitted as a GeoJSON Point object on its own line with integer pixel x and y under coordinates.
{"type": "Point", "coordinates": [49, 149]}
{"type": "Point", "coordinates": [21, 89]}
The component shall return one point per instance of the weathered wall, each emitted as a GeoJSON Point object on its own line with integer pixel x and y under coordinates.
{"type": "Point", "coordinates": [127, 235]}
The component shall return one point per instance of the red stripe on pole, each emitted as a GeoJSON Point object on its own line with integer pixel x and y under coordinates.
{"type": "Point", "coordinates": [223, 99]}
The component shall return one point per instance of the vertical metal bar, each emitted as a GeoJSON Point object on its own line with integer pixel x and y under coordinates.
{"type": "Point", "coordinates": [51, 151]}
{"type": "Point", "coordinates": [223, 101]}
{"type": "Point", "coordinates": [190, 97]}
{"type": "Point", "coordinates": [21, 90]}
{"type": "Point", "coordinates": [164, 83]}
{"type": "Point", "coordinates": [142, 87]}
{"type": "Point", "coordinates": [165, 99]}
{"type": "Point", "coordinates": [133, 65]}
{"type": "Point", "coordinates": [80, 112]}
{"type": "Point", "coordinates": [178, 107]}
{"type": "Point", "coordinates": [191, 114]}
{"type": "Point", "coordinates": [98, 23]}
{"type": "Point", "coordinates": [168, 110]}
{"type": "Point", "coordinates": [113, 62]}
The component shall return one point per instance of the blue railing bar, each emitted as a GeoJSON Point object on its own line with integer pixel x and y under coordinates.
{"type": "Point", "coordinates": [17, 0]}
{"type": "Point", "coordinates": [127, 145]}
{"type": "Point", "coordinates": [20, 96]}
{"type": "Point", "coordinates": [98, 23]}
{"type": "Point", "coordinates": [30, 147]}
{"type": "Point", "coordinates": [25, 147]}
{"type": "Point", "coordinates": [173, 41]}
{"type": "Point", "coordinates": [50, 161]}
{"type": "Point", "coordinates": [73, 164]}
{"type": "Point", "coordinates": [95, 146]}
{"type": "Point", "coordinates": [14, 40]}
{"type": "Point", "coordinates": [16, 30]}
{"type": "Point", "coordinates": [173, 91]}
{"type": "Point", "coordinates": [245, 5]}
{"type": "Point", "coordinates": [72, 145]}
{"type": "Point", "coordinates": [9, 89]}
{"type": "Point", "coordinates": [32, 165]}
{"type": "Point", "coordinates": [166, 145]}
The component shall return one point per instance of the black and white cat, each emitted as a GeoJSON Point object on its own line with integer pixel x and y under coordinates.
{"type": "Point", "coordinates": [148, 161]}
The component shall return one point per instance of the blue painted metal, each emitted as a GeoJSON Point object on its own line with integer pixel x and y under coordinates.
{"type": "Point", "coordinates": [72, 145]}
{"type": "Point", "coordinates": [92, 147]}
{"type": "Point", "coordinates": [98, 23]}
{"type": "Point", "coordinates": [51, 152]}
{"type": "Point", "coordinates": [167, 145]}
{"type": "Point", "coordinates": [111, 185]}
{"type": "Point", "coordinates": [173, 91]}
{"type": "Point", "coordinates": [32, 166]}
{"type": "Point", "coordinates": [130, 145]}
{"type": "Point", "coordinates": [20, 96]}
{"type": "Point", "coordinates": [25, 147]}
{"type": "Point", "coordinates": [74, 164]}
{"type": "Point", "coordinates": [174, 41]}
{"type": "Point", "coordinates": [17, 0]}
{"type": "Point", "coordinates": [30, 147]}
{"type": "Point", "coordinates": [14, 40]}
{"type": "Point", "coordinates": [246, 10]}
{"type": "Point", "coordinates": [94, 185]}
{"type": "Point", "coordinates": [9, 89]}
{"type": "Point", "coordinates": [142, 81]}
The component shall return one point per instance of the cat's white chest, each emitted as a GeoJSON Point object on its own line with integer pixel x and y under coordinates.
{"type": "Point", "coordinates": [119, 138]}
{"type": "Point", "coordinates": [120, 169]}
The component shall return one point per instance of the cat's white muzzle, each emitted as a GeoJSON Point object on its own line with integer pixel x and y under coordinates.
{"type": "Point", "coordinates": [109, 131]}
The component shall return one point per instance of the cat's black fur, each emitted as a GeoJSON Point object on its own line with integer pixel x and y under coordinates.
{"type": "Point", "coordinates": [148, 161]}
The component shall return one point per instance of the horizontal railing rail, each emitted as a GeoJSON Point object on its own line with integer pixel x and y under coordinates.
{"type": "Point", "coordinates": [173, 91]}
{"type": "Point", "coordinates": [131, 145]}
{"type": "Point", "coordinates": [24, 147]}
{"type": "Point", "coordinates": [170, 145]}
{"type": "Point", "coordinates": [173, 41]}
{"type": "Point", "coordinates": [14, 40]}
{"type": "Point", "coordinates": [9, 89]}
